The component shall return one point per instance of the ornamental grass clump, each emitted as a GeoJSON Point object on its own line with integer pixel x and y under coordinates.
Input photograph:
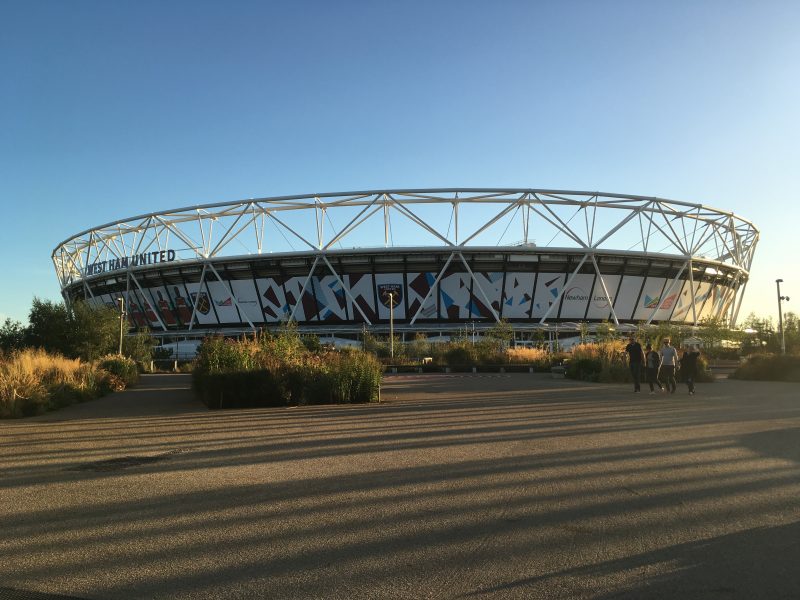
{"type": "Point", "coordinates": [604, 361]}
{"type": "Point", "coordinates": [540, 358]}
{"type": "Point", "coordinates": [120, 367]}
{"type": "Point", "coordinates": [281, 369]}
{"type": "Point", "coordinates": [33, 381]}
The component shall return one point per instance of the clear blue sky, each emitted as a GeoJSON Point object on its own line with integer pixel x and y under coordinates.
{"type": "Point", "coordinates": [111, 109]}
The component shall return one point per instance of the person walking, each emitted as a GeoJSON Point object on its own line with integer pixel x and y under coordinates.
{"type": "Point", "coordinates": [652, 361]}
{"type": "Point", "coordinates": [689, 367]}
{"type": "Point", "coordinates": [669, 362]}
{"type": "Point", "coordinates": [635, 360]}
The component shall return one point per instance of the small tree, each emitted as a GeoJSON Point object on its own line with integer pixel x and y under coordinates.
{"type": "Point", "coordinates": [139, 346]}
{"type": "Point", "coordinates": [583, 331]}
{"type": "Point", "coordinates": [605, 331]}
{"type": "Point", "coordinates": [95, 331]}
{"type": "Point", "coordinates": [50, 327]}
{"type": "Point", "coordinates": [12, 335]}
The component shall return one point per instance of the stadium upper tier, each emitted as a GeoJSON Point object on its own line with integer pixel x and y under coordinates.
{"type": "Point", "coordinates": [436, 256]}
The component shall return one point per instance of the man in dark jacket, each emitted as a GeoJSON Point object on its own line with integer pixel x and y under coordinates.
{"type": "Point", "coordinates": [635, 360]}
{"type": "Point", "coordinates": [689, 367]}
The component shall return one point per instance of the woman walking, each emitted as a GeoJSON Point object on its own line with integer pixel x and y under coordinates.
{"type": "Point", "coordinates": [653, 362]}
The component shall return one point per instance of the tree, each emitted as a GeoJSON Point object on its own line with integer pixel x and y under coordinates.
{"type": "Point", "coordinates": [50, 327]}
{"type": "Point", "coordinates": [12, 336]}
{"type": "Point", "coordinates": [95, 331]}
{"type": "Point", "coordinates": [712, 331]}
{"type": "Point", "coordinates": [139, 346]}
{"type": "Point", "coordinates": [82, 332]}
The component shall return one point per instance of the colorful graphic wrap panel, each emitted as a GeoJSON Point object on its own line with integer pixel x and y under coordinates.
{"type": "Point", "coordinates": [576, 296]}
{"type": "Point", "coordinates": [390, 283]}
{"type": "Point", "coordinates": [273, 299]}
{"type": "Point", "coordinates": [492, 286]}
{"type": "Point", "coordinates": [246, 295]}
{"type": "Point", "coordinates": [182, 303]}
{"type": "Point", "coordinates": [518, 295]}
{"type": "Point", "coordinates": [222, 297]}
{"type": "Point", "coordinates": [146, 303]}
{"type": "Point", "coordinates": [683, 306]}
{"type": "Point", "coordinates": [601, 303]}
{"type": "Point", "coordinates": [419, 284]}
{"type": "Point", "coordinates": [626, 297]}
{"type": "Point", "coordinates": [548, 287]}
{"type": "Point", "coordinates": [667, 302]}
{"type": "Point", "coordinates": [331, 298]}
{"type": "Point", "coordinates": [307, 308]}
{"type": "Point", "coordinates": [454, 296]}
{"type": "Point", "coordinates": [362, 290]}
{"type": "Point", "coordinates": [164, 306]}
{"type": "Point", "coordinates": [200, 297]}
{"type": "Point", "coordinates": [703, 300]}
{"type": "Point", "coordinates": [651, 298]}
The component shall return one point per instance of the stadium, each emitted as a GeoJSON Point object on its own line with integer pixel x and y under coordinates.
{"type": "Point", "coordinates": [439, 260]}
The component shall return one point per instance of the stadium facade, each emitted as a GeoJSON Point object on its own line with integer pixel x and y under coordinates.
{"type": "Point", "coordinates": [441, 258]}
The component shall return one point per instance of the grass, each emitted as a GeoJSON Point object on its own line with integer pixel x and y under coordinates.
{"type": "Point", "coordinates": [33, 381]}
{"type": "Point", "coordinates": [280, 370]}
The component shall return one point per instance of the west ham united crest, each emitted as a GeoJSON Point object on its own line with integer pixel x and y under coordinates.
{"type": "Point", "coordinates": [387, 289]}
{"type": "Point", "coordinates": [202, 302]}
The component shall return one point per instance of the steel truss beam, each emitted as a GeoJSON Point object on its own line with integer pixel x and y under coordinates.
{"type": "Point", "coordinates": [207, 232]}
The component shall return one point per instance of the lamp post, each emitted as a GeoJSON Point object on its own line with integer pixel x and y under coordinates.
{"type": "Point", "coordinates": [781, 299]}
{"type": "Point", "coordinates": [391, 323]}
{"type": "Point", "coordinates": [121, 301]}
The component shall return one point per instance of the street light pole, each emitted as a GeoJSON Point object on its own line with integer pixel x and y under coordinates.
{"type": "Point", "coordinates": [780, 314]}
{"type": "Point", "coordinates": [121, 301]}
{"type": "Point", "coordinates": [391, 323]}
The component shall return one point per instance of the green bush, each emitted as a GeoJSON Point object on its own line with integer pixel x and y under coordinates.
{"type": "Point", "coordinates": [239, 389]}
{"type": "Point", "coordinates": [616, 372]}
{"type": "Point", "coordinates": [279, 370]}
{"type": "Point", "coordinates": [122, 367]}
{"type": "Point", "coordinates": [460, 355]}
{"type": "Point", "coordinates": [586, 369]}
{"type": "Point", "coordinates": [348, 377]}
{"type": "Point", "coordinates": [769, 367]}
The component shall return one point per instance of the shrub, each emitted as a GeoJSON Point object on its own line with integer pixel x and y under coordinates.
{"type": "Point", "coordinates": [348, 377]}
{"type": "Point", "coordinates": [459, 355]}
{"type": "Point", "coordinates": [540, 358]}
{"type": "Point", "coordinates": [239, 389]}
{"type": "Point", "coordinates": [603, 361]}
{"type": "Point", "coordinates": [586, 369]}
{"type": "Point", "coordinates": [32, 381]}
{"type": "Point", "coordinates": [769, 367]}
{"type": "Point", "coordinates": [278, 370]}
{"type": "Point", "coordinates": [121, 367]}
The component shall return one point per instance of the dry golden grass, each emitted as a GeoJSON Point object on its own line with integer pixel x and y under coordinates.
{"type": "Point", "coordinates": [527, 355]}
{"type": "Point", "coordinates": [606, 352]}
{"type": "Point", "coordinates": [27, 376]}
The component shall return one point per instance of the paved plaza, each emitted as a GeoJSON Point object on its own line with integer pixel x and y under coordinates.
{"type": "Point", "coordinates": [455, 486]}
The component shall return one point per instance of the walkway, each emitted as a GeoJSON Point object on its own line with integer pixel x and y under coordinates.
{"type": "Point", "coordinates": [454, 487]}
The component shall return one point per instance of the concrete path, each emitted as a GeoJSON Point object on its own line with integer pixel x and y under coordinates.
{"type": "Point", "coordinates": [456, 486]}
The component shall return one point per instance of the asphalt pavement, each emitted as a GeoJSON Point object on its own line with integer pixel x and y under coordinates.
{"type": "Point", "coordinates": [455, 486]}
